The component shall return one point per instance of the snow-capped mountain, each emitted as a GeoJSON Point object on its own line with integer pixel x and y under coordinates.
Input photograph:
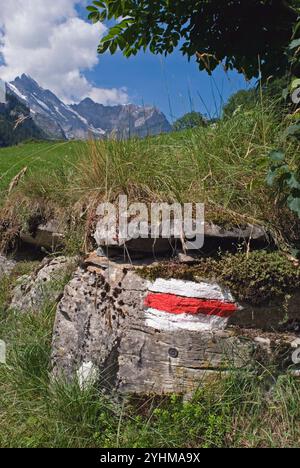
{"type": "Point", "coordinates": [86, 119]}
{"type": "Point", "coordinates": [123, 121]}
{"type": "Point", "coordinates": [57, 119]}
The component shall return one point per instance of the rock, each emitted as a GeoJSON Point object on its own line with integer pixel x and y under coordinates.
{"type": "Point", "coordinates": [265, 342]}
{"type": "Point", "coordinates": [6, 266]}
{"type": "Point", "coordinates": [16, 119]}
{"type": "Point", "coordinates": [101, 324]}
{"type": "Point", "coordinates": [249, 231]}
{"type": "Point", "coordinates": [187, 259]}
{"type": "Point", "coordinates": [44, 285]}
{"type": "Point", "coordinates": [296, 343]}
{"type": "Point", "coordinates": [276, 315]}
{"type": "Point", "coordinates": [109, 245]}
{"type": "Point", "coordinates": [215, 236]}
{"type": "Point", "coordinates": [48, 235]}
{"type": "Point", "coordinates": [2, 92]}
{"type": "Point", "coordinates": [123, 121]}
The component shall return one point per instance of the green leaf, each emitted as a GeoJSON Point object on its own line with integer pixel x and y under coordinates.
{"type": "Point", "coordinates": [292, 130]}
{"type": "Point", "coordinates": [99, 4]}
{"type": "Point", "coordinates": [270, 179]}
{"type": "Point", "coordinates": [277, 156]}
{"type": "Point", "coordinates": [113, 47]}
{"type": "Point", "coordinates": [103, 47]}
{"type": "Point", "coordinates": [173, 21]}
{"type": "Point", "coordinates": [294, 204]}
{"type": "Point", "coordinates": [293, 182]}
{"type": "Point", "coordinates": [94, 17]}
{"type": "Point", "coordinates": [294, 44]}
{"type": "Point", "coordinates": [295, 84]}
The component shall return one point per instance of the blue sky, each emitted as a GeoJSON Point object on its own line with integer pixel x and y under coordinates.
{"type": "Point", "coordinates": [57, 46]}
{"type": "Point", "coordinates": [171, 83]}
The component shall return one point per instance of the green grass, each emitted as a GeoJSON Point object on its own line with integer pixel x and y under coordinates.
{"type": "Point", "coordinates": [224, 166]}
{"type": "Point", "coordinates": [48, 156]}
{"type": "Point", "coordinates": [253, 409]}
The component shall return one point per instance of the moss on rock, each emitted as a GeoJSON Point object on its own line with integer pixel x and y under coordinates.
{"type": "Point", "coordinates": [255, 278]}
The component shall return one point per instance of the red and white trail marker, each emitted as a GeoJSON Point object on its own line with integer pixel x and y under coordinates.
{"type": "Point", "coordinates": [175, 304]}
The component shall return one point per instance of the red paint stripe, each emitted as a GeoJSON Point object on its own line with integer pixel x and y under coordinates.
{"type": "Point", "coordinates": [188, 305]}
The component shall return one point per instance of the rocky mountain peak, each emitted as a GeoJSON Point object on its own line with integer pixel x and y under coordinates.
{"type": "Point", "coordinates": [87, 118]}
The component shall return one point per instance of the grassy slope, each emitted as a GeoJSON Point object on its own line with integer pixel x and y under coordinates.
{"type": "Point", "coordinates": [224, 166]}
{"type": "Point", "coordinates": [36, 155]}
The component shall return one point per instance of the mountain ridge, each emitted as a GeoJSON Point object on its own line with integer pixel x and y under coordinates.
{"type": "Point", "coordinates": [87, 118]}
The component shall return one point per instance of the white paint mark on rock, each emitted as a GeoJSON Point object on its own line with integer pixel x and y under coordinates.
{"type": "Point", "coordinates": [201, 290]}
{"type": "Point", "coordinates": [170, 322]}
{"type": "Point", "coordinates": [87, 375]}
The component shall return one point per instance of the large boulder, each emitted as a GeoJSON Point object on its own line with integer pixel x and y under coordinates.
{"type": "Point", "coordinates": [132, 332]}
{"type": "Point", "coordinates": [47, 235]}
{"type": "Point", "coordinates": [215, 237]}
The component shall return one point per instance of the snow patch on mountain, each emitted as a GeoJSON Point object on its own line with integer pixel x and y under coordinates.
{"type": "Point", "coordinates": [17, 92]}
{"type": "Point", "coordinates": [2, 92]}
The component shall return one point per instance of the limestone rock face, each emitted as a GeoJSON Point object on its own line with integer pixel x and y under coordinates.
{"type": "Point", "coordinates": [97, 310]}
{"type": "Point", "coordinates": [6, 266]}
{"type": "Point", "coordinates": [2, 92]}
{"type": "Point", "coordinates": [44, 285]}
{"type": "Point", "coordinates": [101, 326]}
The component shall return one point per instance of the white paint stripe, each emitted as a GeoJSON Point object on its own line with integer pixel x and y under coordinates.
{"type": "Point", "coordinates": [87, 375]}
{"type": "Point", "coordinates": [170, 322]}
{"type": "Point", "coordinates": [190, 289]}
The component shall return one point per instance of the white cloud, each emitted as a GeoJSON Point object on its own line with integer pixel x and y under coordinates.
{"type": "Point", "coordinates": [49, 41]}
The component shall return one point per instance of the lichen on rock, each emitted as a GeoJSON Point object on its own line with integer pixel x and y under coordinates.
{"type": "Point", "coordinates": [44, 285]}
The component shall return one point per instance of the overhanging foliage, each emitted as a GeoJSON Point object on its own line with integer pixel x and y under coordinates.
{"type": "Point", "coordinates": [247, 35]}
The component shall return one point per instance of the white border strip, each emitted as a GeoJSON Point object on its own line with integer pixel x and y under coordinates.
{"type": "Point", "coordinates": [170, 322]}
{"type": "Point", "coordinates": [190, 289]}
